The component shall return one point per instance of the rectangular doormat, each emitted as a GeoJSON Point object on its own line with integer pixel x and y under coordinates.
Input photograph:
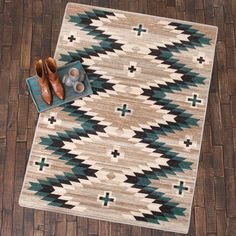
{"type": "Point", "coordinates": [128, 153]}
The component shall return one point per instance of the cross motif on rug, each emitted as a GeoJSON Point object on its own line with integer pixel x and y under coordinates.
{"type": "Point", "coordinates": [71, 38]}
{"type": "Point", "coordinates": [132, 69]}
{"type": "Point", "coordinates": [200, 60]}
{"type": "Point", "coordinates": [139, 29]}
{"type": "Point", "coordinates": [106, 199]}
{"type": "Point", "coordinates": [188, 142]}
{"type": "Point", "coordinates": [194, 100]}
{"type": "Point", "coordinates": [42, 164]}
{"type": "Point", "coordinates": [124, 110]}
{"type": "Point", "coordinates": [52, 120]}
{"type": "Point", "coordinates": [115, 153]}
{"type": "Point", "coordinates": [181, 187]}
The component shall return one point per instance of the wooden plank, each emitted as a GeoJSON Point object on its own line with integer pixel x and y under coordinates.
{"type": "Point", "coordinates": [207, 139]}
{"type": "Point", "coordinates": [7, 35]}
{"type": "Point", "coordinates": [18, 212]}
{"type": "Point", "coordinates": [93, 227]}
{"type": "Point", "coordinates": [50, 223]}
{"type": "Point", "coordinates": [224, 90]}
{"type": "Point", "coordinates": [232, 226]}
{"type": "Point", "coordinates": [228, 151]}
{"type": "Point", "coordinates": [161, 8]}
{"type": "Point", "coordinates": [7, 12]}
{"type": "Point", "coordinates": [1, 5]}
{"type": "Point", "coordinates": [220, 193]}
{"type": "Point", "coordinates": [230, 58]}
{"type": "Point", "coordinates": [146, 232]}
{"type": "Point", "coordinates": [3, 120]}
{"type": "Point", "coordinates": [233, 109]}
{"type": "Point", "coordinates": [39, 223]}
{"type": "Point", "coordinates": [170, 3]}
{"type": "Point", "coordinates": [133, 6]}
{"type": "Point", "coordinates": [6, 62]}
{"type": "Point", "coordinates": [114, 229]}
{"type": "Point", "coordinates": [26, 43]}
{"type": "Point", "coordinates": [199, 188]}
{"type": "Point", "coordinates": [199, 5]}
{"type": "Point", "coordinates": [22, 118]}
{"type": "Point", "coordinates": [12, 116]}
{"type": "Point", "coordinates": [180, 5]}
{"type": "Point", "coordinates": [28, 222]}
{"type": "Point", "coordinates": [37, 8]}
{"type": "Point", "coordinates": [190, 10]}
{"type": "Point", "coordinates": [226, 115]}
{"type": "Point", "coordinates": [200, 221]}
{"type": "Point", "coordinates": [71, 229]}
{"type": "Point", "coordinates": [14, 78]}
{"type": "Point", "coordinates": [8, 184]}
{"type": "Point", "coordinates": [61, 225]}
{"type": "Point", "coordinates": [218, 161]}
{"type": "Point", "coordinates": [209, 11]}
{"type": "Point", "coordinates": [23, 90]}
{"type": "Point", "coordinates": [36, 38]}
{"type": "Point", "coordinates": [4, 86]}
{"type": "Point", "coordinates": [230, 192]}
{"type": "Point", "coordinates": [82, 224]}
{"type": "Point", "coordinates": [171, 12]}
{"type": "Point", "coordinates": [125, 230]}
{"type": "Point", "coordinates": [234, 135]}
{"type": "Point", "coordinates": [152, 7]}
{"type": "Point", "coordinates": [46, 40]}
{"type": "Point", "coordinates": [158, 233]}
{"type": "Point", "coordinates": [221, 222]}
{"type": "Point", "coordinates": [219, 21]}
{"type": "Point", "coordinates": [192, 227]}
{"type": "Point", "coordinates": [200, 17]}
{"type": "Point", "coordinates": [221, 56]}
{"type": "Point", "coordinates": [135, 231]}
{"type": "Point", "coordinates": [143, 7]}
{"type": "Point", "coordinates": [47, 7]}
{"type": "Point", "coordinates": [28, 8]}
{"type": "Point", "coordinates": [18, 17]}
{"type": "Point", "coordinates": [216, 124]}
{"type": "Point", "coordinates": [122, 4]}
{"type": "Point", "coordinates": [228, 12]}
{"type": "Point", "coordinates": [214, 78]}
{"type": "Point", "coordinates": [71, 225]}
{"type": "Point", "coordinates": [104, 227]}
{"type": "Point", "coordinates": [209, 193]}
{"type": "Point", "coordinates": [2, 160]}
{"type": "Point", "coordinates": [61, 228]}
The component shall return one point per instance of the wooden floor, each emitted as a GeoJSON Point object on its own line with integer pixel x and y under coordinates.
{"type": "Point", "coordinates": [29, 29]}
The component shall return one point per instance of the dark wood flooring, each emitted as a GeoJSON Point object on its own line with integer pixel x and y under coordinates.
{"type": "Point", "coordinates": [29, 29]}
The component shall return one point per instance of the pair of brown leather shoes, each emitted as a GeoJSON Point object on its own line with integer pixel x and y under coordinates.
{"type": "Point", "coordinates": [47, 75]}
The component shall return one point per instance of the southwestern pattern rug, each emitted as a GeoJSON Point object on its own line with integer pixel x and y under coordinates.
{"type": "Point", "coordinates": [128, 153]}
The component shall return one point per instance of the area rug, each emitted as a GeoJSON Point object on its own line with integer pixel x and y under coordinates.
{"type": "Point", "coordinates": [128, 153]}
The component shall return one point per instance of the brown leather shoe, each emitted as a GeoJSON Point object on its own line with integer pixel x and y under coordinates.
{"type": "Point", "coordinates": [53, 77]}
{"type": "Point", "coordinates": [43, 82]}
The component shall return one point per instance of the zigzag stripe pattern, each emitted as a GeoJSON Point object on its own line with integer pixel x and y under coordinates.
{"type": "Point", "coordinates": [80, 170]}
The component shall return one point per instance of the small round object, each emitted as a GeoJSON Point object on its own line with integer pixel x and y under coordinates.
{"type": "Point", "coordinates": [67, 81]}
{"type": "Point", "coordinates": [74, 74]}
{"type": "Point", "coordinates": [78, 87]}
